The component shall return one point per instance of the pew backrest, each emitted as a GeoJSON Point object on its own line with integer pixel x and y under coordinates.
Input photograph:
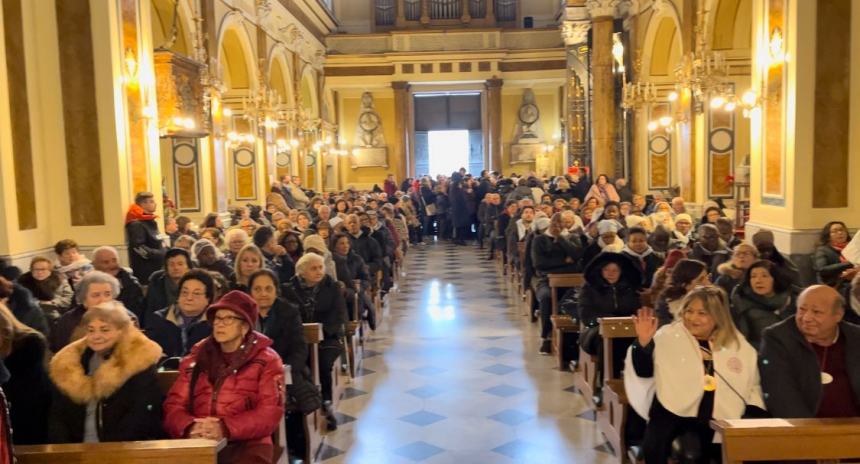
{"type": "Point", "coordinates": [313, 337]}
{"type": "Point", "coordinates": [610, 329]}
{"type": "Point", "coordinates": [186, 451]}
{"type": "Point", "coordinates": [573, 280]}
{"type": "Point", "coordinates": [788, 439]}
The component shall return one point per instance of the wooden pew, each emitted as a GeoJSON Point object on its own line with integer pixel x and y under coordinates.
{"type": "Point", "coordinates": [521, 257]}
{"type": "Point", "coordinates": [788, 439]}
{"type": "Point", "coordinates": [585, 377]}
{"type": "Point", "coordinates": [562, 324]}
{"type": "Point", "coordinates": [314, 424]}
{"type": "Point", "coordinates": [186, 451]}
{"type": "Point", "coordinates": [612, 417]}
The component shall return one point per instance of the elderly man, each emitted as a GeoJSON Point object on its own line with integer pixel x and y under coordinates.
{"type": "Point", "coordinates": [678, 206]}
{"type": "Point", "coordinates": [810, 364]}
{"type": "Point", "coordinates": [106, 259]}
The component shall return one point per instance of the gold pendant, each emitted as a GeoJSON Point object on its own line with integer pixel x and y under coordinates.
{"type": "Point", "coordinates": [826, 378]}
{"type": "Point", "coordinates": [710, 383]}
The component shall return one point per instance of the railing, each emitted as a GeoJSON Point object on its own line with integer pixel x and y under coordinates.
{"type": "Point", "coordinates": [419, 13]}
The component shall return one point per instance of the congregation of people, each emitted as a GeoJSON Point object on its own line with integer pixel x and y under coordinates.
{"type": "Point", "coordinates": [726, 327]}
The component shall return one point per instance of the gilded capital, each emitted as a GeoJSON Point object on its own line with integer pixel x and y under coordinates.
{"type": "Point", "coordinates": [606, 8]}
{"type": "Point", "coordinates": [575, 32]}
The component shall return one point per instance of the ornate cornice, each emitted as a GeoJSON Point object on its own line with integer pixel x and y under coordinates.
{"type": "Point", "coordinates": [606, 8]}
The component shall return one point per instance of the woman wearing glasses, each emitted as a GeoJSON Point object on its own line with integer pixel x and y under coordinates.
{"type": "Point", "coordinates": [688, 372]}
{"type": "Point", "coordinates": [230, 386]}
{"type": "Point", "coordinates": [181, 325]}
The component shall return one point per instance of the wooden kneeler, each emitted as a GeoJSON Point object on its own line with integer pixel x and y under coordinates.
{"type": "Point", "coordinates": [314, 424]}
{"type": "Point", "coordinates": [612, 418]}
{"type": "Point", "coordinates": [585, 377]}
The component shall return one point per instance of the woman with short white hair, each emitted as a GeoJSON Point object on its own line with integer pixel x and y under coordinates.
{"type": "Point", "coordinates": [106, 383]}
{"type": "Point", "coordinates": [320, 299]}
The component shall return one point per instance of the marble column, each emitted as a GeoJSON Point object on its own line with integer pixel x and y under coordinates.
{"type": "Point", "coordinates": [603, 105]}
{"type": "Point", "coordinates": [401, 153]}
{"type": "Point", "coordinates": [494, 122]}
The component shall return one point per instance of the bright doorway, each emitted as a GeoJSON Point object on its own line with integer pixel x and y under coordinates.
{"type": "Point", "coordinates": [449, 151]}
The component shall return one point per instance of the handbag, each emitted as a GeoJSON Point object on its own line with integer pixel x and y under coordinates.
{"type": "Point", "coordinates": [431, 209]}
{"type": "Point", "coordinates": [304, 396]}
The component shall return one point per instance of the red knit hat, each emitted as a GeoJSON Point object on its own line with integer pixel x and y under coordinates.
{"type": "Point", "coordinates": [673, 257]}
{"type": "Point", "coordinates": [240, 303]}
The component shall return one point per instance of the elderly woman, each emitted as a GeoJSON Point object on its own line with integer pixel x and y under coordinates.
{"type": "Point", "coordinates": [607, 241]}
{"type": "Point", "coordinates": [207, 256]}
{"type": "Point", "coordinates": [181, 325]}
{"type": "Point", "coordinates": [230, 386]}
{"type": "Point", "coordinates": [106, 384]}
{"type": "Point", "coordinates": [23, 351]}
{"type": "Point", "coordinates": [214, 235]}
{"type": "Point", "coordinates": [761, 299]}
{"type": "Point", "coordinates": [48, 286]}
{"type": "Point", "coordinates": [683, 228]}
{"type": "Point", "coordinates": [730, 274]}
{"type": "Point", "coordinates": [681, 396]}
{"type": "Point", "coordinates": [350, 267]}
{"type": "Point", "coordinates": [95, 288]}
{"type": "Point", "coordinates": [164, 283]}
{"type": "Point", "coordinates": [320, 299]}
{"type": "Point", "coordinates": [236, 239]}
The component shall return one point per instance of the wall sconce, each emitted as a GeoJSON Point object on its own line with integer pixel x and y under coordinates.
{"type": "Point", "coordinates": [130, 66]}
{"type": "Point", "coordinates": [775, 46]}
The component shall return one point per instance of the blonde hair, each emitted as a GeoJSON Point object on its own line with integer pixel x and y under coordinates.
{"type": "Point", "coordinates": [746, 246]}
{"type": "Point", "coordinates": [716, 304]}
{"type": "Point", "coordinates": [249, 248]}
{"type": "Point", "coordinates": [11, 329]}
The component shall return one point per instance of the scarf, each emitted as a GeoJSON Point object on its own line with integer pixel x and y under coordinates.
{"type": "Point", "coordinates": [614, 247]}
{"type": "Point", "coordinates": [648, 251]}
{"type": "Point", "coordinates": [136, 213]}
{"type": "Point", "coordinates": [839, 249]}
{"type": "Point", "coordinates": [683, 238]}
{"type": "Point", "coordinates": [522, 228]}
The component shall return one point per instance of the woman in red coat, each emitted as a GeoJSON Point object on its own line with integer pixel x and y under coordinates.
{"type": "Point", "coordinates": [230, 386]}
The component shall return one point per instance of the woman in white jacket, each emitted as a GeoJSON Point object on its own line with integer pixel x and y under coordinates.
{"type": "Point", "coordinates": [683, 375]}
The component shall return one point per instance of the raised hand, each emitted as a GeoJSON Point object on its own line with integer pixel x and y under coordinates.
{"type": "Point", "coordinates": [645, 324]}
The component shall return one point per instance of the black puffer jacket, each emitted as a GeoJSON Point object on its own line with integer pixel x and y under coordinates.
{"type": "Point", "coordinates": [284, 326]}
{"type": "Point", "coordinates": [368, 249]}
{"type": "Point", "coordinates": [753, 313]}
{"type": "Point", "coordinates": [550, 254]}
{"type": "Point", "coordinates": [599, 298]}
{"type": "Point", "coordinates": [145, 249]}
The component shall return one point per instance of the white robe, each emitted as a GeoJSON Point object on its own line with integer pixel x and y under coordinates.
{"type": "Point", "coordinates": [679, 376]}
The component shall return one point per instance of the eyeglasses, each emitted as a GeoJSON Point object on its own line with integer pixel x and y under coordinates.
{"type": "Point", "coordinates": [744, 253]}
{"type": "Point", "coordinates": [226, 321]}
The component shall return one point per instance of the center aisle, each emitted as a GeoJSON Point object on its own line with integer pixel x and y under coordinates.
{"type": "Point", "coordinates": [453, 375]}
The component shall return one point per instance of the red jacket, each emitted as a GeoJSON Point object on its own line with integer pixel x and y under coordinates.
{"type": "Point", "coordinates": [248, 399]}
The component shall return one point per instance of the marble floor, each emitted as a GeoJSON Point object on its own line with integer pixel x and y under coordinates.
{"type": "Point", "coordinates": [453, 375]}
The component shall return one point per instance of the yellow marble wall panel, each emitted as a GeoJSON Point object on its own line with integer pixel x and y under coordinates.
{"type": "Point", "coordinates": [832, 105]}
{"type": "Point", "coordinates": [720, 150]}
{"type": "Point", "coordinates": [80, 116]}
{"type": "Point", "coordinates": [659, 152]}
{"type": "Point", "coordinates": [19, 108]}
{"type": "Point", "coordinates": [187, 186]}
{"type": "Point", "coordinates": [774, 148]}
{"type": "Point", "coordinates": [137, 150]}
{"type": "Point", "coordinates": [245, 183]}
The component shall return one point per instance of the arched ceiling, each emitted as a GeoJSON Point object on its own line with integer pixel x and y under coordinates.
{"type": "Point", "coordinates": [278, 80]}
{"type": "Point", "coordinates": [666, 49]}
{"type": "Point", "coordinates": [161, 19]}
{"type": "Point", "coordinates": [233, 61]}
{"type": "Point", "coordinates": [732, 25]}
